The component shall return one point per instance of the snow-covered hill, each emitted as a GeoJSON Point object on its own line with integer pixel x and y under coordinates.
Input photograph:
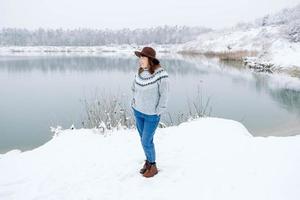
{"type": "Point", "coordinates": [273, 39]}
{"type": "Point", "coordinates": [207, 158]}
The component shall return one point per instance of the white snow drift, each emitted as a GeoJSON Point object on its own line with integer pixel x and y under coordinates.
{"type": "Point", "coordinates": [207, 158]}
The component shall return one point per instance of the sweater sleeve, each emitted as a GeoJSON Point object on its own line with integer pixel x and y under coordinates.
{"type": "Point", "coordinates": [133, 86]}
{"type": "Point", "coordinates": [163, 90]}
{"type": "Point", "coordinates": [132, 90]}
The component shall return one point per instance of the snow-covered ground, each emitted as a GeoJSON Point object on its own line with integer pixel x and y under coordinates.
{"type": "Point", "coordinates": [206, 158]}
{"type": "Point", "coordinates": [266, 42]}
{"type": "Point", "coordinates": [231, 40]}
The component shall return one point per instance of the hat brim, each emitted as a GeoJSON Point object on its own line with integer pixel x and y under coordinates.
{"type": "Point", "coordinates": [139, 54]}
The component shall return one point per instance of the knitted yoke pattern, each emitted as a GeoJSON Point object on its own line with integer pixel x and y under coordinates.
{"type": "Point", "coordinates": [151, 91]}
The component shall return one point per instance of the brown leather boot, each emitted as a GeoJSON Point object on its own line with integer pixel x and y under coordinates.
{"type": "Point", "coordinates": [146, 165]}
{"type": "Point", "coordinates": [151, 171]}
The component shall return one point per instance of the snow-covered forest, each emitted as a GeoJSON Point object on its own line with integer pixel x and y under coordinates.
{"type": "Point", "coordinates": [288, 19]}
{"type": "Point", "coordinates": [97, 37]}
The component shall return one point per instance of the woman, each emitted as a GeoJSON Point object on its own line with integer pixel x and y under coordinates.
{"type": "Point", "coordinates": [150, 96]}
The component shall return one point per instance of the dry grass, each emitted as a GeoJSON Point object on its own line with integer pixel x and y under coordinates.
{"type": "Point", "coordinates": [198, 106]}
{"type": "Point", "coordinates": [224, 55]}
{"type": "Point", "coordinates": [231, 55]}
{"type": "Point", "coordinates": [107, 112]}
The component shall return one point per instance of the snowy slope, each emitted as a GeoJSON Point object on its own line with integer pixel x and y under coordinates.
{"type": "Point", "coordinates": [252, 39]}
{"type": "Point", "coordinates": [207, 158]}
{"type": "Point", "coordinates": [275, 39]}
{"type": "Point", "coordinates": [266, 41]}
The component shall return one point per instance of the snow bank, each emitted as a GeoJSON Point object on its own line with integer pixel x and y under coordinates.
{"type": "Point", "coordinates": [207, 158]}
{"type": "Point", "coordinates": [285, 54]}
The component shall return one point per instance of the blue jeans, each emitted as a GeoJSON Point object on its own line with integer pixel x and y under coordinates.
{"type": "Point", "coordinates": [146, 126]}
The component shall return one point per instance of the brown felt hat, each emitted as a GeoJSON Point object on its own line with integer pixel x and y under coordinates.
{"type": "Point", "coordinates": [148, 52]}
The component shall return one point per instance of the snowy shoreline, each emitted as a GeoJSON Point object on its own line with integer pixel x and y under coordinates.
{"type": "Point", "coordinates": [126, 48]}
{"type": "Point", "coordinates": [208, 158]}
{"type": "Point", "coordinates": [282, 58]}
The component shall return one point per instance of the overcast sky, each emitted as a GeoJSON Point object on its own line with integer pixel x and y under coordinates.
{"type": "Point", "coordinates": [131, 14]}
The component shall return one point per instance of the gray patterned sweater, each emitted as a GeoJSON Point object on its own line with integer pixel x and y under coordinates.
{"type": "Point", "coordinates": [151, 91]}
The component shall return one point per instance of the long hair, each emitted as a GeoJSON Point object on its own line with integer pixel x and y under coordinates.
{"type": "Point", "coordinates": [152, 66]}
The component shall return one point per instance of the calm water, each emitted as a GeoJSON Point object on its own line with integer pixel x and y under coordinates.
{"type": "Point", "coordinates": [42, 91]}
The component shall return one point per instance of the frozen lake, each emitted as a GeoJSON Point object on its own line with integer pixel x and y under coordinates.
{"type": "Point", "coordinates": [42, 91]}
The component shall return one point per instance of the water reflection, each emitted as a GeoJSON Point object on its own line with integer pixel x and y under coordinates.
{"type": "Point", "coordinates": [288, 99]}
{"type": "Point", "coordinates": [87, 64]}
